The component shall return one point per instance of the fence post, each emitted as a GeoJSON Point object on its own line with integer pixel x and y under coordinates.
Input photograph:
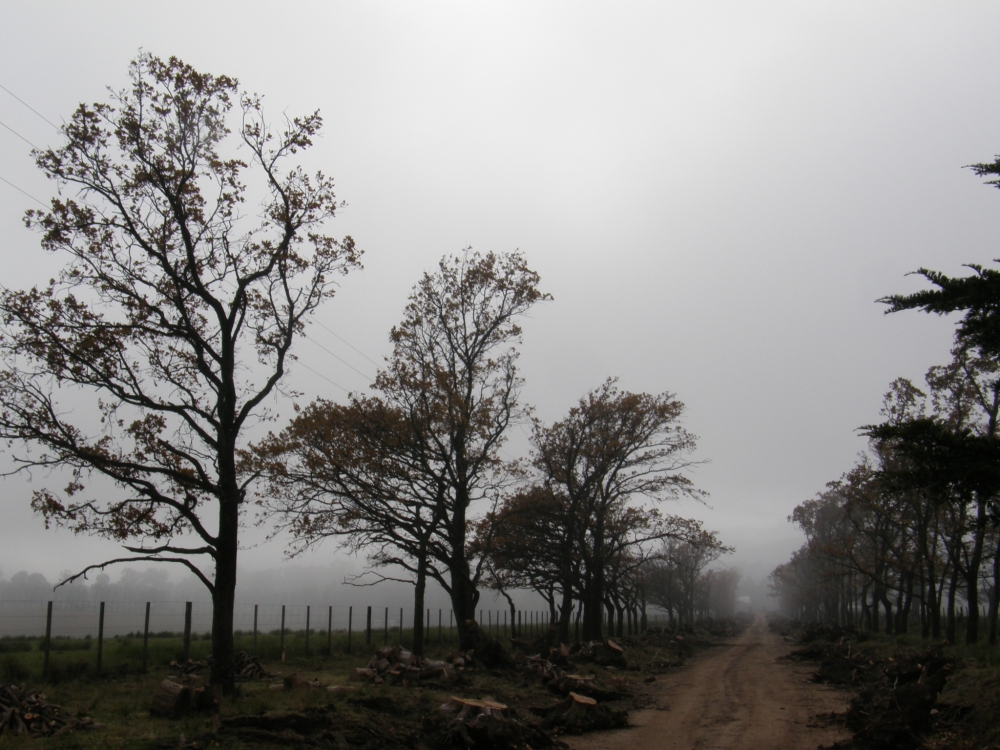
{"type": "Point", "coordinates": [48, 641]}
{"type": "Point", "coordinates": [368, 628]}
{"type": "Point", "coordinates": [307, 630]}
{"type": "Point", "coordinates": [145, 642]}
{"type": "Point", "coordinates": [329, 632]}
{"type": "Point", "coordinates": [400, 626]}
{"type": "Point", "coordinates": [100, 637]}
{"type": "Point", "coordinates": [518, 624]}
{"type": "Point", "coordinates": [350, 623]}
{"type": "Point", "coordinates": [255, 630]}
{"type": "Point", "coordinates": [439, 626]}
{"type": "Point", "coordinates": [489, 617]}
{"type": "Point", "coordinates": [281, 640]}
{"type": "Point", "coordinates": [480, 618]}
{"type": "Point", "coordinates": [385, 636]}
{"type": "Point", "coordinates": [187, 631]}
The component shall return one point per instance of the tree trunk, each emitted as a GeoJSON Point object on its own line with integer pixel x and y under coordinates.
{"type": "Point", "coordinates": [565, 615]}
{"type": "Point", "coordinates": [593, 609]}
{"type": "Point", "coordinates": [972, 574]}
{"type": "Point", "coordinates": [513, 611]}
{"type": "Point", "coordinates": [224, 597]}
{"type": "Point", "coordinates": [995, 594]}
{"type": "Point", "coordinates": [418, 603]}
{"type": "Point", "coordinates": [952, 587]}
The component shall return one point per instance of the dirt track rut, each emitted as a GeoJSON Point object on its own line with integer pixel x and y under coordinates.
{"type": "Point", "coordinates": [735, 697]}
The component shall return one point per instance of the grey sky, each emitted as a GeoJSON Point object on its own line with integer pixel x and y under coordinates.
{"type": "Point", "coordinates": [714, 193]}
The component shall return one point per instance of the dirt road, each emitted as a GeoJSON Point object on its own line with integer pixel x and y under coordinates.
{"type": "Point", "coordinates": [734, 697]}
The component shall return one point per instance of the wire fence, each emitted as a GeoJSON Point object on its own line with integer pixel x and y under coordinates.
{"type": "Point", "coordinates": [83, 619]}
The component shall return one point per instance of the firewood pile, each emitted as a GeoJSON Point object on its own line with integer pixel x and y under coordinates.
{"type": "Point", "coordinates": [561, 683]}
{"type": "Point", "coordinates": [188, 667]}
{"type": "Point", "coordinates": [248, 667]}
{"type": "Point", "coordinates": [245, 667]}
{"type": "Point", "coordinates": [606, 653]}
{"type": "Point", "coordinates": [24, 711]}
{"type": "Point", "coordinates": [462, 723]}
{"type": "Point", "coordinates": [397, 665]}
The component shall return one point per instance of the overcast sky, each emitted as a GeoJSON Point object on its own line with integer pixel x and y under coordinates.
{"type": "Point", "coordinates": [714, 193]}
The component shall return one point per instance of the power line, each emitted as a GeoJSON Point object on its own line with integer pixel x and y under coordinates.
{"type": "Point", "coordinates": [29, 106]}
{"type": "Point", "coordinates": [346, 342]}
{"type": "Point", "coordinates": [19, 135]}
{"type": "Point", "coordinates": [323, 376]}
{"type": "Point", "coordinates": [344, 361]}
{"type": "Point", "coordinates": [26, 193]}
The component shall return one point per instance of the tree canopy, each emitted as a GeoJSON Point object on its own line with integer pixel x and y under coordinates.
{"type": "Point", "coordinates": [173, 319]}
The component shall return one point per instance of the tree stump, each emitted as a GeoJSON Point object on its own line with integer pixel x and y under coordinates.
{"type": "Point", "coordinates": [171, 700]}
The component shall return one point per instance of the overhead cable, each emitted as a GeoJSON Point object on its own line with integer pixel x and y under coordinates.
{"type": "Point", "coordinates": [29, 106]}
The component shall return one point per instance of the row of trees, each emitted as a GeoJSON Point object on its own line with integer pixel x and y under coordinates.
{"type": "Point", "coordinates": [142, 370]}
{"type": "Point", "coordinates": [914, 527]}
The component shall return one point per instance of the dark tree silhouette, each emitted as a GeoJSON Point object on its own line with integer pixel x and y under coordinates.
{"type": "Point", "coordinates": [172, 320]}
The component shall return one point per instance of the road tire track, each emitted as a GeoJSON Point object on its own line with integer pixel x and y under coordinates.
{"type": "Point", "coordinates": [738, 696]}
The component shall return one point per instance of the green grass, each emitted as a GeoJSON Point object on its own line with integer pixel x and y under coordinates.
{"type": "Point", "coordinates": [21, 659]}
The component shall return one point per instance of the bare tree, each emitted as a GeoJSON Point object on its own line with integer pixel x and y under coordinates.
{"type": "Point", "coordinates": [173, 318]}
{"type": "Point", "coordinates": [612, 449]}
{"type": "Point", "coordinates": [451, 387]}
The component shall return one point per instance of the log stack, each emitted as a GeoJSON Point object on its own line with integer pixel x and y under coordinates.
{"type": "Point", "coordinates": [24, 711]}
{"type": "Point", "coordinates": [248, 667]}
{"type": "Point", "coordinates": [397, 665]}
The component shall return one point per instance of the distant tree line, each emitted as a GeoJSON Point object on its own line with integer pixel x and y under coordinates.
{"type": "Point", "coordinates": [912, 532]}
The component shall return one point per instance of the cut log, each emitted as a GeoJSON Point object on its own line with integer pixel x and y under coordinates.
{"type": "Point", "coordinates": [364, 674]}
{"type": "Point", "coordinates": [294, 682]}
{"type": "Point", "coordinates": [465, 709]}
{"type": "Point", "coordinates": [171, 700]}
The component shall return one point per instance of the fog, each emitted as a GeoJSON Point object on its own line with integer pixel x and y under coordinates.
{"type": "Point", "coordinates": [715, 194]}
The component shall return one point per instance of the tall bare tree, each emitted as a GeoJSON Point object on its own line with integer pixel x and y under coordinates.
{"type": "Point", "coordinates": [611, 450]}
{"type": "Point", "coordinates": [172, 320]}
{"type": "Point", "coordinates": [446, 398]}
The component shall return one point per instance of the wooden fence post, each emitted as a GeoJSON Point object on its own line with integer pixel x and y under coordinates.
{"type": "Point", "coordinates": [255, 630]}
{"type": "Point", "coordinates": [368, 629]}
{"type": "Point", "coordinates": [187, 631]}
{"type": "Point", "coordinates": [145, 642]}
{"type": "Point", "coordinates": [48, 641]}
{"type": "Point", "coordinates": [307, 629]}
{"type": "Point", "coordinates": [385, 637]}
{"type": "Point", "coordinates": [281, 639]}
{"type": "Point", "coordinates": [400, 626]}
{"type": "Point", "coordinates": [100, 637]}
{"type": "Point", "coordinates": [439, 626]}
{"type": "Point", "coordinates": [329, 632]}
{"type": "Point", "coordinates": [350, 623]}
